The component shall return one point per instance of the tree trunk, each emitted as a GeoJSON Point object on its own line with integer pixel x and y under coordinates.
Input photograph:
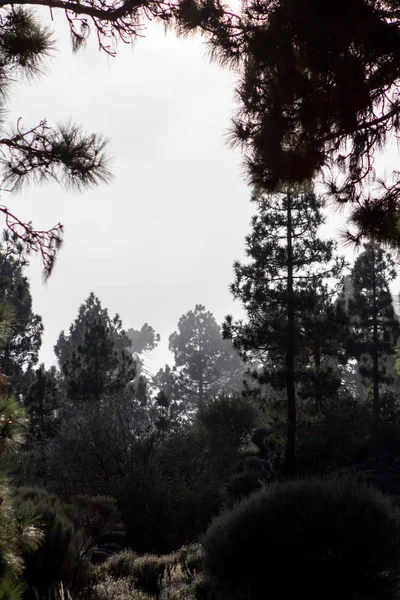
{"type": "Point", "coordinates": [290, 387]}
{"type": "Point", "coordinates": [375, 359]}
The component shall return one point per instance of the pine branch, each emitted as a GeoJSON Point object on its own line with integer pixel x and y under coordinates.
{"type": "Point", "coordinates": [46, 243]}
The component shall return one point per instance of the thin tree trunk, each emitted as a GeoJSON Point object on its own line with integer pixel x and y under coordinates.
{"type": "Point", "coordinates": [375, 359]}
{"type": "Point", "coordinates": [290, 387]}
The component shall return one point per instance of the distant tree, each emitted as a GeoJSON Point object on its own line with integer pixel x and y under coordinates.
{"type": "Point", "coordinates": [42, 402]}
{"type": "Point", "coordinates": [168, 381]}
{"type": "Point", "coordinates": [288, 262]}
{"type": "Point", "coordinates": [143, 340]}
{"type": "Point", "coordinates": [96, 367]}
{"type": "Point", "coordinates": [204, 359]}
{"type": "Point", "coordinates": [325, 326]}
{"type": "Point", "coordinates": [374, 325]}
{"type": "Point", "coordinates": [89, 312]}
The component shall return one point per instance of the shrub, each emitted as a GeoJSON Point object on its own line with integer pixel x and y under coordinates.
{"type": "Point", "coordinates": [150, 572]}
{"type": "Point", "coordinates": [59, 557]}
{"type": "Point", "coordinates": [117, 589]}
{"type": "Point", "coordinates": [190, 559]}
{"type": "Point", "coordinates": [317, 539]}
{"type": "Point", "coordinates": [334, 437]}
{"type": "Point", "coordinates": [11, 589]}
{"type": "Point", "coordinates": [120, 565]}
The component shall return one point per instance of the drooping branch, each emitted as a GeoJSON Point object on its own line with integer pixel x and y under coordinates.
{"type": "Point", "coordinates": [64, 154]}
{"type": "Point", "coordinates": [45, 243]}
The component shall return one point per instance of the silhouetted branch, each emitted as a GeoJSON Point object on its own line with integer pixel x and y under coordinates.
{"type": "Point", "coordinates": [45, 243]}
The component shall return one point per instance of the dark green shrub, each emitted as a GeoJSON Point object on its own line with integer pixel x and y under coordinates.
{"type": "Point", "coordinates": [163, 509]}
{"type": "Point", "coordinates": [314, 539]}
{"type": "Point", "coordinates": [333, 437]}
{"type": "Point", "coordinates": [11, 589]}
{"type": "Point", "coordinates": [59, 558]}
{"type": "Point", "coordinates": [229, 419]}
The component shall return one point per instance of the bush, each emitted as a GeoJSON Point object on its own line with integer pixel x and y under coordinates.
{"type": "Point", "coordinates": [117, 589]}
{"type": "Point", "coordinates": [228, 419]}
{"type": "Point", "coordinates": [59, 558]}
{"type": "Point", "coordinates": [118, 566]}
{"type": "Point", "coordinates": [151, 572]}
{"type": "Point", "coordinates": [190, 559]}
{"type": "Point", "coordinates": [317, 539]}
{"type": "Point", "coordinates": [148, 572]}
{"type": "Point", "coordinates": [163, 508]}
{"type": "Point", "coordinates": [334, 437]}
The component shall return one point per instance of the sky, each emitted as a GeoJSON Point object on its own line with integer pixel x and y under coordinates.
{"type": "Point", "coordinates": [162, 237]}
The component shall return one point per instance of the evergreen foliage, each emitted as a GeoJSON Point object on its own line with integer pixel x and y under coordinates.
{"type": "Point", "coordinates": [374, 324]}
{"type": "Point", "coordinates": [206, 363]}
{"type": "Point", "coordinates": [283, 291]}
{"type": "Point", "coordinates": [303, 535]}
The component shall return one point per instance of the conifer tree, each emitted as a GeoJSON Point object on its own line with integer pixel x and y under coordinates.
{"type": "Point", "coordinates": [374, 324]}
{"type": "Point", "coordinates": [42, 402]}
{"type": "Point", "coordinates": [206, 363]}
{"type": "Point", "coordinates": [318, 86]}
{"type": "Point", "coordinates": [90, 311]}
{"type": "Point", "coordinates": [96, 367]}
{"type": "Point", "coordinates": [287, 264]}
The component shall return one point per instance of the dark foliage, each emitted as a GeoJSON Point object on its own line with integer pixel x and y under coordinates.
{"type": "Point", "coordinates": [59, 558]}
{"type": "Point", "coordinates": [318, 87]}
{"type": "Point", "coordinates": [333, 538]}
{"type": "Point", "coordinates": [374, 324]}
{"type": "Point", "coordinates": [282, 287]}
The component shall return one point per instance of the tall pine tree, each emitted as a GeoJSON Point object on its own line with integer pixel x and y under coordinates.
{"type": "Point", "coordinates": [287, 263]}
{"type": "Point", "coordinates": [374, 324]}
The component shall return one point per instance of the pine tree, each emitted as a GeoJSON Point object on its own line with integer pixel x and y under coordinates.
{"type": "Point", "coordinates": [89, 312]}
{"type": "Point", "coordinates": [39, 153]}
{"type": "Point", "coordinates": [96, 367]}
{"type": "Point", "coordinates": [206, 363]}
{"type": "Point", "coordinates": [325, 324]}
{"type": "Point", "coordinates": [318, 86]}
{"type": "Point", "coordinates": [42, 402]}
{"type": "Point", "coordinates": [375, 326]}
{"type": "Point", "coordinates": [287, 264]}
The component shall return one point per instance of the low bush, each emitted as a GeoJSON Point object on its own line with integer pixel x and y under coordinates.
{"type": "Point", "coordinates": [117, 589]}
{"type": "Point", "coordinates": [59, 558]}
{"type": "Point", "coordinates": [118, 566]}
{"type": "Point", "coordinates": [313, 538]}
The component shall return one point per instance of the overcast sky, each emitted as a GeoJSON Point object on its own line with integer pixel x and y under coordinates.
{"type": "Point", "coordinates": [163, 236]}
